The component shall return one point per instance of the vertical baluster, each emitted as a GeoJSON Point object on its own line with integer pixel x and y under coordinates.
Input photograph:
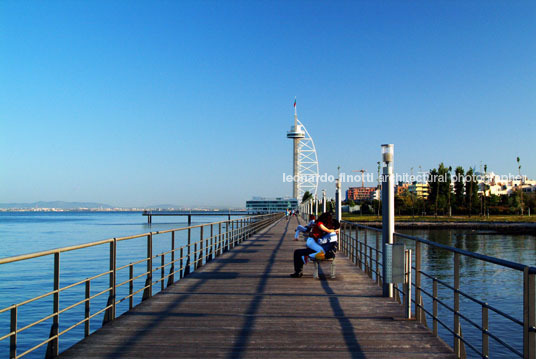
{"type": "Point", "coordinates": [407, 296]}
{"type": "Point", "coordinates": [529, 314]}
{"type": "Point", "coordinates": [181, 263]}
{"type": "Point", "coordinates": [53, 345]}
{"type": "Point", "coordinates": [435, 306]}
{"type": "Point", "coordinates": [485, 325]}
{"type": "Point", "coordinates": [365, 252]}
{"type": "Point", "coordinates": [378, 259]}
{"type": "Point", "coordinates": [87, 311]}
{"type": "Point", "coordinates": [370, 261]}
{"type": "Point", "coordinates": [171, 278]}
{"type": "Point", "coordinates": [130, 286]}
{"type": "Point", "coordinates": [241, 230]}
{"type": "Point", "coordinates": [354, 245]}
{"type": "Point", "coordinates": [361, 254]}
{"type": "Point", "coordinates": [162, 271]}
{"type": "Point", "coordinates": [457, 331]}
{"type": "Point", "coordinates": [195, 256]}
{"type": "Point", "coordinates": [228, 236]}
{"type": "Point", "coordinates": [148, 292]}
{"type": "Point", "coordinates": [211, 255]}
{"type": "Point", "coordinates": [232, 235]}
{"type": "Point", "coordinates": [346, 240]}
{"type": "Point", "coordinates": [219, 240]}
{"type": "Point", "coordinates": [201, 239]}
{"type": "Point", "coordinates": [418, 281]}
{"type": "Point", "coordinates": [13, 338]}
{"type": "Point", "coordinates": [113, 275]}
{"type": "Point", "coordinates": [187, 269]}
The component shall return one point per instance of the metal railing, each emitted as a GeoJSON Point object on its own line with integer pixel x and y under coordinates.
{"type": "Point", "coordinates": [366, 253]}
{"type": "Point", "coordinates": [190, 257]}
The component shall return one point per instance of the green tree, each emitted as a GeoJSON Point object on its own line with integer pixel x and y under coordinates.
{"type": "Point", "coordinates": [306, 196]}
{"type": "Point", "coordinates": [471, 190]}
{"type": "Point", "coordinates": [459, 189]}
{"type": "Point", "coordinates": [439, 183]}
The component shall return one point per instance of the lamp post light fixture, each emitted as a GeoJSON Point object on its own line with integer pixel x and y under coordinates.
{"type": "Point", "coordinates": [388, 209]}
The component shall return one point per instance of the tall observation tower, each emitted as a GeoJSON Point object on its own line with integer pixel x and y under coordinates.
{"type": "Point", "coordinates": [305, 162]}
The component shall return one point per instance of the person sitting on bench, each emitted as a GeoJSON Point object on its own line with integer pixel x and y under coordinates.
{"type": "Point", "coordinates": [307, 228]}
{"type": "Point", "coordinates": [320, 234]}
{"type": "Point", "coordinates": [313, 250]}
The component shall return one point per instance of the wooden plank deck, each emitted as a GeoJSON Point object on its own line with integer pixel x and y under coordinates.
{"type": "Point", "coordinates": [245, 305]}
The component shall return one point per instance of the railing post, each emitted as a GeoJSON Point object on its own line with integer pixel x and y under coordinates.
{"type": "Point", "coordinates": [53, 345]}
{"type": "Point", "coordinates": [434, 304]}
{"type": "Point", "coordinates": [130, 286]}
{"type": "Point", "coordinates": [109, 315]}
{"type": "Point", "coordinates": [366, 250]}
{"type": "Point", "coordinates": [529, 315]}
{"type": "Point", "coordinates": [227, 242]}
{"type": "Point", "coordinates": [359, 254]}
{"type": "Point", "coordinates": [370, 261]}
{"type": "Point", "coordinates": [195, 256]}
{"type": "Point", "coordinates": [485, 327]}
{"type": "Point", "coordinates": [418, 312]}
{"type": "Point", "coordinates": [378, 258]}
{"type": "Point", "coordinates": [87, 311]}
{"type": "Point", "coordinates": [219, 249]}
{"type": "Point", "coordinates": [187, 269]}
{"type": "Point", "coordinates": [13, 338]}
{"type": "Point", "coordinates": [200, 257]}
{"type": "Point", "coordinates": [181, 269]}
{"type": "Point", "coordinates": [233, 236]}
{"type": "Point", "coordinates": [148, 292]}
{"type": "Point", "coordinates": [211, 251]}
{"type": "Point", "coordinates": [407, 285]}
{"type": "Point", "coordinates": [350, 244]}
{"type": "Point", "coordinates": [457, 331]}
{"type": "Point", "coordinates": [241, 231]}
{"type": "Point", "coordinates": [162, 271]}
{"type": "Point", "coordinates": [171, 278]}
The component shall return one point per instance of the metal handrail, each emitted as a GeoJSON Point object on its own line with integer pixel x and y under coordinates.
{"type": "Point", "coordinates": [359, 256]}
{"type": "Point", "coordinates": [236, 230]}
{"type": "Point", "coordinates": [482, 257]}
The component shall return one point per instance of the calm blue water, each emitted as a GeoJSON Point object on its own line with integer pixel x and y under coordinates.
{"type": "Point", "coordinates": [500, 287]}
{"type": "Point", "coordinates": [28, 232]}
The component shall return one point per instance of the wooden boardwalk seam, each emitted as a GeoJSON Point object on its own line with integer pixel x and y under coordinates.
{"type": "Point", "coordinates": [244, 305]}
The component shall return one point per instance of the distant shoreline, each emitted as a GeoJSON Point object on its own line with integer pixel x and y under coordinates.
{"type": "Point", "coordinates": [103, 210]}
{"type": "Point", "coordinates": [497, 227]}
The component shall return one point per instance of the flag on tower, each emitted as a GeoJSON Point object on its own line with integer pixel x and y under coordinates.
{"type": "Point", "coordinates": [294, 103]}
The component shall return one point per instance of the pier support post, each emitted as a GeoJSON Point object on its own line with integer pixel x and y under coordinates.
{"type": "Point", "coordinates": [388, 211]}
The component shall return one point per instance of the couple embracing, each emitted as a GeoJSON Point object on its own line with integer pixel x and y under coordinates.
{"type": "Point", "coordinates": [321, 243]}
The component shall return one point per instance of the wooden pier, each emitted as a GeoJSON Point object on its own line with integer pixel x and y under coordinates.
{"type": "Point", "coordinates": [151, 214]}
{"type": "Point", "coordinates": [243, 304]}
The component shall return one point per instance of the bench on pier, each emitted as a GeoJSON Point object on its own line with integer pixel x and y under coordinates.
{"type": "Point", "coordinates": [331, 269]}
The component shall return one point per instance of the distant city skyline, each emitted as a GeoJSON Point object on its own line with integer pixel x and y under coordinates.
{"type": "Point", "coordinates": [137, 103]}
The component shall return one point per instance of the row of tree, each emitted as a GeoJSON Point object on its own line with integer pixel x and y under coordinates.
{"type": "Point", "coordinates": [458, 194]}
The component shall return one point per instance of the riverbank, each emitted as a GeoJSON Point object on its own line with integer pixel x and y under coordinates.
{"type": "Point", "coordinates": [495, 224]}
{"type": "Point", "coordinates": [442, 219]}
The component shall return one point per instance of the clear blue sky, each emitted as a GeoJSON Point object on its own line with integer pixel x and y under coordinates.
{"type": "Point", "coordinates": [136, 103]}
